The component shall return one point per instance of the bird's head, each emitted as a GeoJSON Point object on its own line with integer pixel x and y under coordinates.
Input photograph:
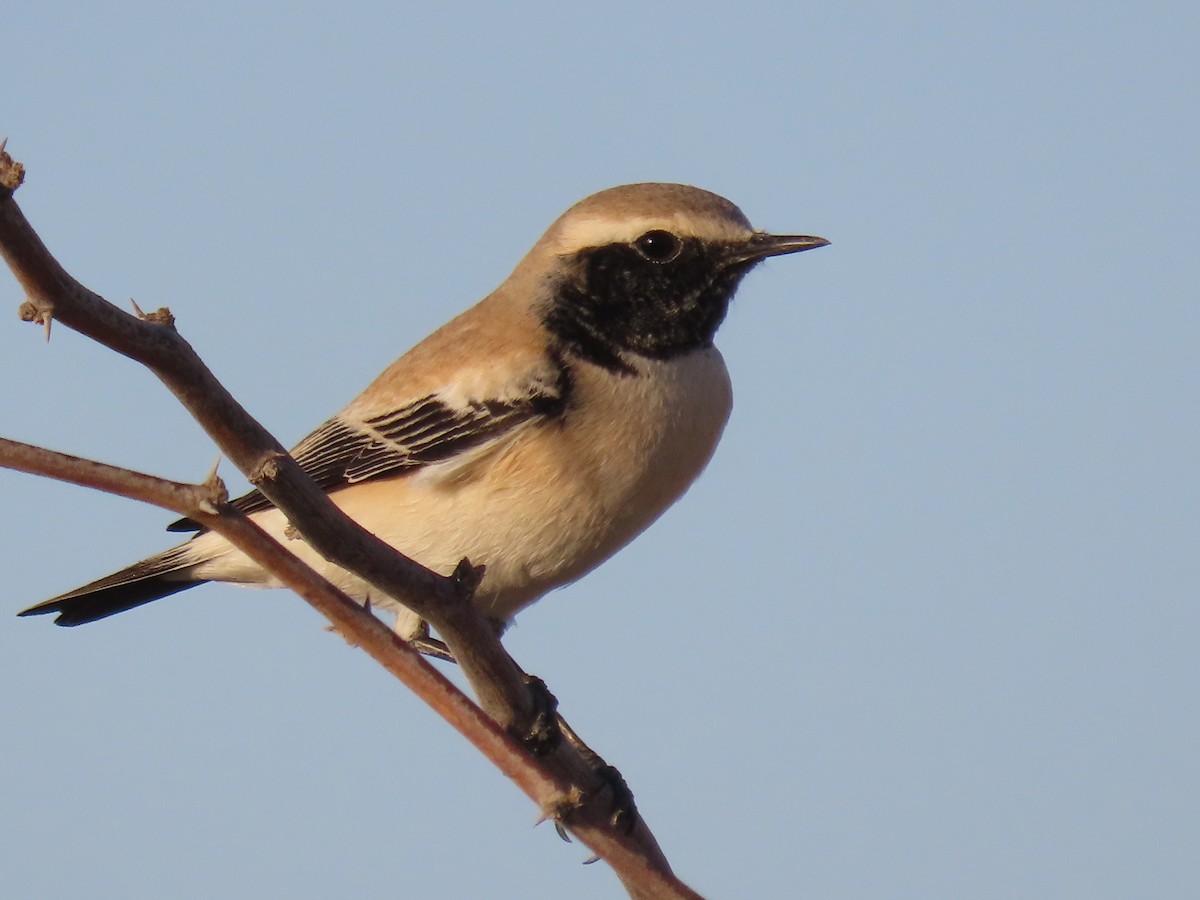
{"type": "Point", "coordinates": [648, 269]}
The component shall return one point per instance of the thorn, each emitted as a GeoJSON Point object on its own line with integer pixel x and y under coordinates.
{"type": "Point", "coordinates": [211, 477]}
{"type": "Point", "coordinates": [3, 143]}
{"type": "Point", "coordinates": [38, 314]}
{"type": "Point", "coordinates": [333, 629]}
{"type": "Point", "coordinates": [218, 493]}
{"type": "Point", "coordinates": [161, 316]}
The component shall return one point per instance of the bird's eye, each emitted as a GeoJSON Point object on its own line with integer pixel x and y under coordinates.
{"type": "Point", "coordinates": [658, 246]}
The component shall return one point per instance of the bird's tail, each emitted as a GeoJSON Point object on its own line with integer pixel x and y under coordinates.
{"type": "Point", "coordinates": [153, 578]}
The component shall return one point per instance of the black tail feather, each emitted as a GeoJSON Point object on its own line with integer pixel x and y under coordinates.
{"type": "Point", "coordinates": [136, 585]}
{"type": "Point", "coordinates": [81, 608]}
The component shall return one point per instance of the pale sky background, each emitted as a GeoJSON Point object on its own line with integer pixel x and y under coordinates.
{"type": "Point", "coordinates": [926, 627]}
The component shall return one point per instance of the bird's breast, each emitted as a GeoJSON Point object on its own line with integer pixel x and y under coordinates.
{"type": "Point", "coordinates": [641, 439]}
{"type": "Point", "coordinates": [559, 497]}
{"type": "Point", "coordinates": [624, 450]}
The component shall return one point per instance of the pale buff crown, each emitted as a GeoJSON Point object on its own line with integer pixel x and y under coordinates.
{"type": "Point", "coordinates": [625, 213]}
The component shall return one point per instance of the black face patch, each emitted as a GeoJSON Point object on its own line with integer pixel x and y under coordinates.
{"type": "Point", "coordinates": [616, 300]}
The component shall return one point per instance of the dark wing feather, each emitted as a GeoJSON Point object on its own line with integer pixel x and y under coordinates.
{"type": "Point", "coordinates": [427, 431]}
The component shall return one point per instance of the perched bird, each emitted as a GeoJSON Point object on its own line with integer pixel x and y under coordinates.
{"type": "Point", "coordinates": [535, 434]}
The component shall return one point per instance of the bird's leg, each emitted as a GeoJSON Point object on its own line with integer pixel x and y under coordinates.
{"type": "Point", "coordinates": [429, 646]}
{"type": "Point", "coordinates": [547, 730]}
{"type": "Point", "coordinates": [417, 636]}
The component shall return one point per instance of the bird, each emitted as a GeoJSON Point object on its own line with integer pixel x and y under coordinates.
{"type": "Point", "coordinates": [535, 434]}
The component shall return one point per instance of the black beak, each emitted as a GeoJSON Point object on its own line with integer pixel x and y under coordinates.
{"type": "Point", "coordinates": [760, 246]}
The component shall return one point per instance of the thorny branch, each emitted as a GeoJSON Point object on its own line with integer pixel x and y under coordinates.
{"type": "Point", "coordinates": [560, 780]}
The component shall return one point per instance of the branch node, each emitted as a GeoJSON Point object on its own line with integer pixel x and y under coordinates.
{"type": "Point", "coordinates": [160, 316]}
{"type": "Point", "coordinates": [216, 492]}
{"type": "Point", "coordinates": [12, 173]}
{"type": "Point", "coordinates": [267, 470]}
{"type": "Point", "coordinates": [559, 809]}
{"type": "Point", "coordinates": [205, 505]}
{"type": "Point", "coordinates": [211, 477]}
{"type": "Point", "coordinates": [39, 313]}
{"type": "Point", "coordinates": [466, 578]}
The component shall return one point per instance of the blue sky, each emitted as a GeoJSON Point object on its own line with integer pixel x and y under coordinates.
{"type": "Point", "coordinates": [925, 627]}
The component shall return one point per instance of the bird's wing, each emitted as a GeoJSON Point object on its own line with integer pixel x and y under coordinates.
{"type": "Point", "coordinates": [433, 429]}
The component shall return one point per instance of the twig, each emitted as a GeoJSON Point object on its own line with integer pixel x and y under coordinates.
{"type": "Point", "coordinates": [561, 782]}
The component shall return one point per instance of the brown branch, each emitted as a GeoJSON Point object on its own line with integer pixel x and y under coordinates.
{"type": "Point", "coordinates": [561, 782]}
{"type": "Point", "coordinates": [202, 499]}
{"type": "Point", "coordinates": [206, 504]}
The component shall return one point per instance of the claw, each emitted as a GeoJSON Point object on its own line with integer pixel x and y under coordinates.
{"type": "Point", "coordinates": [562, 833]}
